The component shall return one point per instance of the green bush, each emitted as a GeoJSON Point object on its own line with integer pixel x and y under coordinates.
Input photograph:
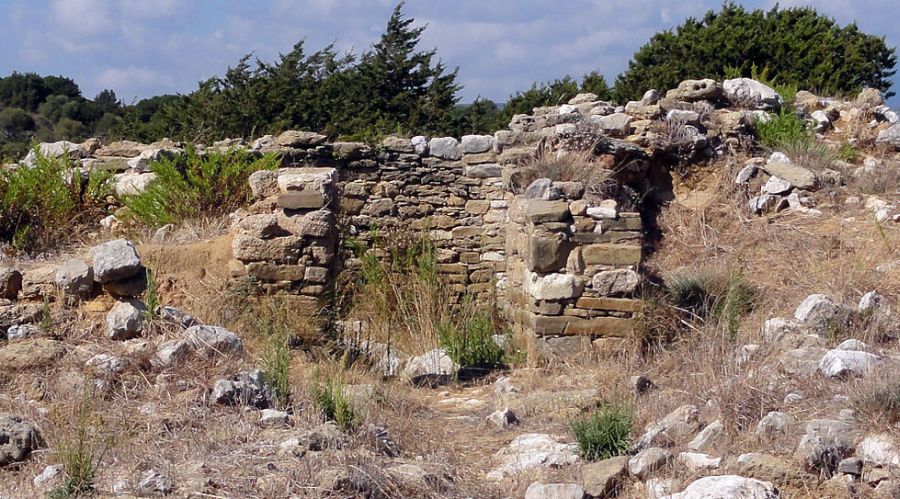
{"type": "Point", "coordinates": [470, 342]}
{"type": "Point", "coordinates": [194, 184]}
{"type": "Point", "coordinates": [42, 204]}
{"type": "Point", "coordinates": [792, 46]}
{"type": "Point", "coordinates": [330, 397]}
{"type": "Point", "coordinates": [784, 131]}
{"type": "Point", "coordinates": [605, 433]}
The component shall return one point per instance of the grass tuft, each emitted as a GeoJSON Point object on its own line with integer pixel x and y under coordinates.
{"type": "Point", "coordinates": [605, 433]}
{"type": "Point", "coordinates": [470, 342]}
{"type": "Point", "coordinates": [784, 131]}
{"type": "Point", "coordinates": [332, 400]}
{"type": "Point", "coordinates": [80, 453]}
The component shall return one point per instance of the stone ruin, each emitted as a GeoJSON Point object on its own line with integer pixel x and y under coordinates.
{"type": "Point", "coordinates": [560, 254]}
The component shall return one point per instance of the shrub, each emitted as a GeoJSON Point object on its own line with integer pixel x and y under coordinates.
{"type": "Point", "coordinates": [151, 297]}
{"type": "Point", "coordinates": [41, 204]}
{"type": "Point", "coordinates": [195, 184]}
{"type": "Point", "coordinates": [330, 397]}
{"type": "Point", "coordinates": [80, 454]}
{"type": "Point", "coordinates": [784, 131]}
{"type": "Point", "coordinates": [470, 342]}
{"type": "Point", "coordinates": [605, 432]}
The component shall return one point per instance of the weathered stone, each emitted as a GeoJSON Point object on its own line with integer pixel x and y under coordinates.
{"type": "Point", "coordinates": [728, 486]}
{"type": "Point", "coordinates": [75, 279]}
{"type": "Point", "coordinates": [802, 361]}
{"type": "Point", "coordinates": [552, 286]}
{"type": "Point", "coordinates": [444, 148]}
{"type": "Point", "coordinates": [18, 438]}
{"type": "Point", "coordinates": [10, 283]}
{"type": "Point", "coordinates": [115, 261]}
{"type": "Point", "coordinates": [697, 90]}
{"type": "Point", "coordinates": [822, 315]}
{"type": "Point", "coordinates": [541, 211]}
{"type": "Point", "coordinates": [676, 428]}
{"type": "Point", "coordinates": [547, 252]}
{"type": "Point", "coordinates": [125, 320]}
{"type": "Point", "coordinates": [782, 167]}
{"type": "Point", "coordinates": [879, 450]}
{"type": "Point", "coordinates": [749, 92]}
{"type": "Point", "coordinates": [539, 490]}
{"type": "Point", "coordinates": [483, 170]}
{"type": "Point", "coordinates": [824, 444]}
{"type": "Point", "coordinates": [300, 139]}
{"type": "Point", "coordinates": [431, 367]}
{"type": "Point", "coordinates": [890, 137]}
{"type": "Point", "coordinates": [615, 282]}
{"type": "Point", "coordinates": [30, 354]}
{"type": "Point", "coordinates": [398, 144]}
{"type": "Point", "coordinates": [603, 478]}
{"type": "Point", "coordinates": [841, 363]}
{"type": "Point", "coordinates": [214, 340]}
{"type": "Point", "coordinates": [263, 183]}
{"type": "Point", "coordinates": [301, 200]}
{"type": "Point", "coordinates": [503, 418]}
{"type": "Point", "coordinates": [244, 388]}
{"type": "Point", "coordinates": [616, 304]}
{"type": "Point", "coordinates": [611, 254]}
{"type": "Point", "coordinates": [648, 461]}
{"type": "Point", "coordinates": [474, 144]}
{"type": "Point", "coordinates": [532, 450]}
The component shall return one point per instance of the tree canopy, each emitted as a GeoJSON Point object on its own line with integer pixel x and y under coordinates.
{"type": "Point", "coordinates": [794, 46]}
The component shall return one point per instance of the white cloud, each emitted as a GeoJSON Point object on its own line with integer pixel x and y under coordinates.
{"type": "Point", "coordinates": [86, 17]}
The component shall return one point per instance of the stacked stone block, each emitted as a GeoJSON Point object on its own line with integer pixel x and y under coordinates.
{"type": "Point", "coordinates": [572, 263]}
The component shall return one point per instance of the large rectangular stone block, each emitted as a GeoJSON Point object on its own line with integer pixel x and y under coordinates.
{"type": "Point", "coordinates": [616, 304]}
{"type": "Point", "coordinates": [279, 249]}
{"type": "Point", "coordinates": [301, 200]}
{"type": "Point", "coordinates": [611, 254]}
{"type": "Point", "coordinates": [576, 326]}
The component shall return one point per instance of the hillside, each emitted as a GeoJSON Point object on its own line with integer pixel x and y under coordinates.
{"type": "Point", "coordinates": [693, 295]}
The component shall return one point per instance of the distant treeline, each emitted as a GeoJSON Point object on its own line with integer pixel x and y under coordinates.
{"type": "Point", "coordinates": [396, 88]}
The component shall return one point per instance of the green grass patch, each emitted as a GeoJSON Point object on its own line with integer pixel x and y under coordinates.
{"type": "Point", "coordinates": [712, 293]}
{"type": "Point", "coordinates": [275, 360]}
{"type": "Point", "coordinates": [784, 131]}
{"type": "Point", "coordinates": [470, 342]}
{"type": "Point", "coordinates": [80, 454]}
{"type": "Point", "coordinates": [605, 432]}
{"type": "Point", "coordinates": [331, 398]}
{"type": "Point", "coordinates": [193, 184]}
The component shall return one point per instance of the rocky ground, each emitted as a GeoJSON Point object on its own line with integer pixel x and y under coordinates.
{"type": "Point", "coordinates": [152, 394]}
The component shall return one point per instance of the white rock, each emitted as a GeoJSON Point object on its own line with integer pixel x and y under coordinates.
{"type": "Point", "coordinates": [777, 185]}
{"type": "Point", "coordinates": [838, 363]}
{"type": "Point", "coordinates": [132, 184]}
{"type": "Point", "coordinates": [697, 461]}
{"type": "Point", "coordinates": [420, 144]}
{"type": "Point", "coordinates": [115, 261]}
{"type": "Point", "coordinates": [709, 438]}
{"type": "Point", "coordinates": [532, 450]}
{"type": "Point", "coordinates": [821, 313]}
{"type": "Point", "coordinates": [776, 328]}
{"type": "Point", "coordinates": [648, 461]}
{"type": "Point", "coordinates": [750, 91]}
{"type": "Point", "coordinates": [567, 109]}
{"type": "Point", "coordinates": [108, 365]}
{"type": "Point", "coordinates": [552, 286]}
{"type": "Point", "coordinates": [772, 423]}
{"type": "Point", "coordinates": [444, 148]}
{"type": "Point", "coordinates": [433, 363]}
{"type": "Point", "coordinates": [746, 173]}
{"type": "Point", "coordinates": [879, 450]}
{"type": "Point", "coordinates": [125, 320]}
{"type": "Point", "coordinates": [49, 477]}
{"type": "Point", "coordinates": [503, 418]}
{"type": "Point", "coordinates": [873, 302]}
{"type": "Point", "coordinates": [213, 340]}
{"type": "Point", "coordinates": [852, 344]}
{"type": "Point", "coordinates": [728, 486]}
{"type": "Point", "coordinates": [272, 417]}
{"type": "Point", "coordinates": [539, 490]}
{"type": "Point", "coordinates": [474, 144]}
{"type": "Point", "coordinates": [607, 209]}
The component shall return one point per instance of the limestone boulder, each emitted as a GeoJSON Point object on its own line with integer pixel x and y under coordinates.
{"type": "Point", "coordinates": [115, 260]}
{"type": "Point", "coordinates": [18, 438]}
{"type": "Point", "coordinates": [747, 91]}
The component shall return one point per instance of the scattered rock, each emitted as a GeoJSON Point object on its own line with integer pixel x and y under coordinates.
{"type": "Point", "coordinates": [115, 261]}
{"type": "Point", "coordinates": [603, 478]}
{"type": "Point", "coordinates": [879, 450]}
{"type": "Point", "coordinates": [697, 461]}
{"type": "Point", "coordinates": [640, 384]}
{"type": "Point", "coordinates": [824, 444]}
{"type": "Point", "coordinates": [434, 367]}
{"type": "Point", "coordinates": [773, 423]}
{"type": "Point", "coordinates": [214, 340]}
{"type": "Point", "coordinates": [747, 91]}
{"type": "Point", "coordinates": [154, 483]}
{"type": "Point", "coordinates": [273, 418]}
{"type": "Point", "coordinates": [244, 388]}
{"type": "Point", "coordinates": [779, 165]}
{"type": "Point", "coordinates": [503, 418]}
{"type": "Point", "coordinates": [674, 429]}
{"type": "Point", "coordinates": [821, 314]}
{"type": "Point", "coordinates": [125, 320]}
{"type": "Point", "coordinates": [648, 461]}
{"type": "Point", "coordinates": [18, 439]}
{"type": "Point", "coordinates": [851, 466]}
{"type": "Point", "coordinates": [728, 486]}
{"type": "Point", "coordinates": [30, 354]}
{"type": "Point", "coordinates": [554, 491]}
{"type": "Point", "coordinates": [532, 450]}
{"type": "Point", "coordinates": [842, 363]}
{"type": "Point", "coordinates": [50, 477]}
{"type": "Point", "coordinates": [710, 438]}
{"type": "Point", "coordinates": [75, 279]}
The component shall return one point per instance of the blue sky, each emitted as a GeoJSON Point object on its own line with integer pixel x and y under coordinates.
{"type": "Point", "coordinates": [141, 48]}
